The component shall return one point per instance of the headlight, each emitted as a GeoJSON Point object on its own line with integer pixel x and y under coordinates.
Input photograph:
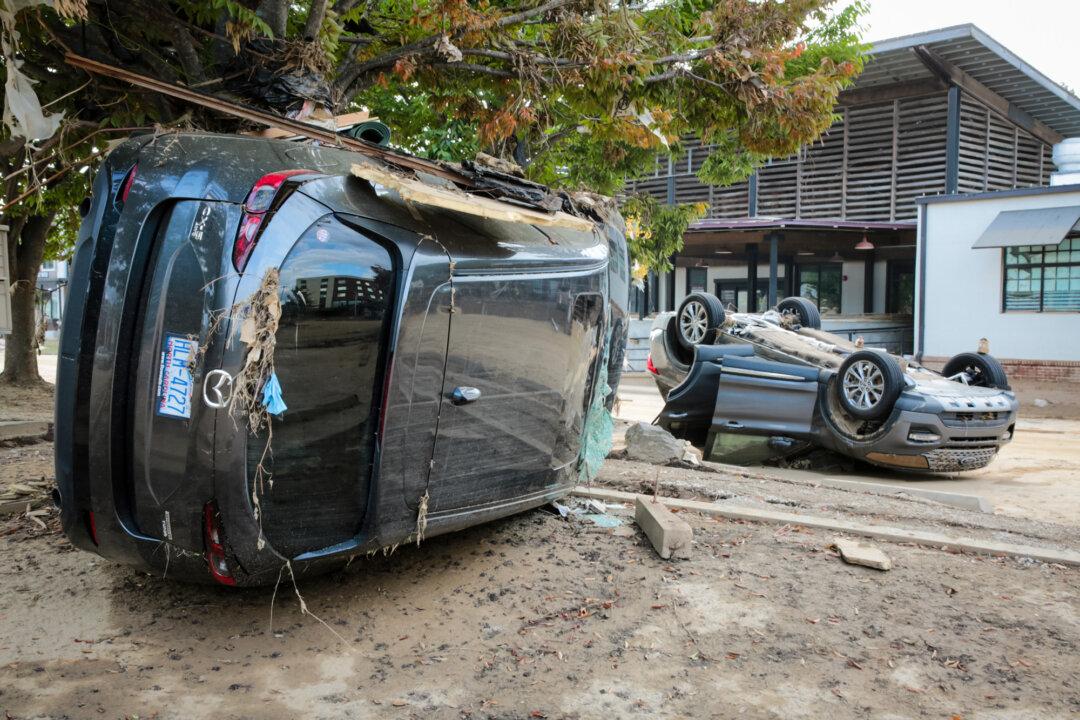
{"type": "Point", "coordinates": [923, 437]}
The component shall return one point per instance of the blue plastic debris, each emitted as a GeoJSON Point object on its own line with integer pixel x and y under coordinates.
{"type": "Point", "coordinates": [272, 396]}
{"type": "Point", "coordinates": [605, 521]}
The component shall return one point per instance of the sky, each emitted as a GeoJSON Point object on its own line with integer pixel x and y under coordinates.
{"type": "Point", "coordinates": [1045, 33]}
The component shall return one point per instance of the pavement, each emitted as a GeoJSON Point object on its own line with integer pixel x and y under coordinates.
{"type": "Point", "coordinates": [1037, 475]}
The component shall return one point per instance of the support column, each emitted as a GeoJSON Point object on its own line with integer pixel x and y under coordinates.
{"type": "Point", "coordinates": [643, 309]}
{"type": "Point", "coordinates": [751, 195]}
{"type": "Point", "coordinates": [952, 142]}
{"type": "Point", "coordinates": [774, 261]}
{"type": "Point", "coordinates": [751, 276]}
{"type": "Point", "coordinates": [868, 283]}
{"type": "Point", "coordinates": [671, 284]}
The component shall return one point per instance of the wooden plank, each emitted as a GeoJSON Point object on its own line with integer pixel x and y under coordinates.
{"type": "Point", "coordinates": [895, 91]}
{"type": "Point", "coordinates": [340, 121]}
{"type": "Point", "coordinates": [950, 73]}
{"type": "Point", "coordinates": [412, 190]}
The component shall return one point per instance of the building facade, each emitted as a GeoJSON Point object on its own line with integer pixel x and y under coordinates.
{"type": "Point", "coordinates": [1004, 266]}
{"type": "Point", "coordinates": [944, 112]}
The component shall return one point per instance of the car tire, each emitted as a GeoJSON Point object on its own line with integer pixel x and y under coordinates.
{"type": "Point", "coordinates": [868, 384]}
{"type": "Point", "coordinates": [984, 370]}
{"type": "Point", "coordinates": [697, 321]}
{"type": "Point", "coordinates": [678, 357]}
{"type": "Point", "coordinates": [805, 312]}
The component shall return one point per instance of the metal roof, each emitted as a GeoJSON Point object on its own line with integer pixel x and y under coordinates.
{"type": "Point", "coordinates": [1035, 226]}
{"type": "Point", "coordinates": [980, 56]}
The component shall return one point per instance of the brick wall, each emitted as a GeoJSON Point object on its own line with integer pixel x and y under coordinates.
{"type": "Point", "coordinates": [1042, 370]}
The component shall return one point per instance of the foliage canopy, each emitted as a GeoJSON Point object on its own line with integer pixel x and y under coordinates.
{"type": "Point", "coordinates": [581, 93]}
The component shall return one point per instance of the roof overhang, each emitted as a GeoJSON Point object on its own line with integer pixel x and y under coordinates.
{"type": "Point", "coordinates": [1041, 226]}
{"type": "Point", "coordinates": [777, 224]}
{"type": "Point", "coordinates": [976, 54]}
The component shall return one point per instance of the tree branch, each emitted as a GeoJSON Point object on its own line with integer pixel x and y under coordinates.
{"type": "Point", "coordinates": [315, 19]}
{"type": "Point", "coordinates": [274, 13]}
{"type": "Point", "coordinates": [531, 13]}
{"type": "Point", "coordinates": [352, 72]}
{"type": "Point", "coordinates": [475, 68]}
{"type": "Point", "coordinates": [509, 57]}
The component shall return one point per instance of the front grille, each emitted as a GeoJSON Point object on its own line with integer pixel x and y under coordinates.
{"type": "Point", "coordinates": [955, 459]}
{"type": "Point", "coordinates": [974, 419]}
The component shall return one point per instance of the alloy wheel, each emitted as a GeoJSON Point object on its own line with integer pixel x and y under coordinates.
{"type": "Point", "coordinates": [864, 385]}
{"type": "Point", "coordinates": [693, 322]}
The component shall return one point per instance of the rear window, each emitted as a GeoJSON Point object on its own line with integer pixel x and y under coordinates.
{"type": "Point", "coordinates": [337, 287]}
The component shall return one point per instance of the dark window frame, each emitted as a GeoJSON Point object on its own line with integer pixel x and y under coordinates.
{"type": "Point", "coordinates": [690, 271]}
{"type": "Point", "coordinates": [893, 268]}
{"type": "Point", "coordinates": [1073, 238]}
{"type": "Point", "coordinates": [741, 285]}
{"type": "Point", "coordinates": [797, 287]}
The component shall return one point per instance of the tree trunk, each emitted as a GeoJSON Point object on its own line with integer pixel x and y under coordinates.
{"type": "Point", "coordinates": [26, 249]}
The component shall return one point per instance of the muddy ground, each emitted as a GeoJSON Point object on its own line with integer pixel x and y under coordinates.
{"type": "Point", "coordinates": [536, 616]}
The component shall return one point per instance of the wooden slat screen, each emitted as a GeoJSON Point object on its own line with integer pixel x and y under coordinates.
{"type": "Point", "coordinates": [997, 155]}
{"type": "Point", "coordinates": [920, 163]}
{"type": "Point", "coordinates": [871, 164]}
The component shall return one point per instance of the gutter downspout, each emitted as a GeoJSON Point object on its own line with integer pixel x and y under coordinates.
{"type": "Point", "coordinates": [920, 240]}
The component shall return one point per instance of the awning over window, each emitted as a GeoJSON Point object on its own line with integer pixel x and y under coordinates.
{"type": "Point", "coordinates": [1044, 226]}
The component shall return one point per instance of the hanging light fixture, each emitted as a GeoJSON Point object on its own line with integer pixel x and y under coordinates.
{"type": "Point", "coordinates": [836, 258]}
{"type": "Point", "coordinates": [864, 244]}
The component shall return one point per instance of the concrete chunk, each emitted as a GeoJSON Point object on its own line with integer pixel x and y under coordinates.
{"type": "Point", "coordinates": [23, 429]}
{"type": "Point", "coordinates": [670, 535]}
{"type": "Point", "coordinates": [857, 553]}
{"type": "Point", "coordinates": [653, 444]}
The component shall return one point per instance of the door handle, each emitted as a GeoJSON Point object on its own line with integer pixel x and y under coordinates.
{"type": "Point", "coordinates": [464, 395]}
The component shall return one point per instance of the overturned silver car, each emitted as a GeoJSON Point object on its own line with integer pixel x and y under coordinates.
{"type": "Point", "coordinates": [753, 387]}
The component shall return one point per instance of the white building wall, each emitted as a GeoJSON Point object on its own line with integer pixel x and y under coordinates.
{"type": "Point", "coordinates": [851, 292]}
{"type": "Point", "coordinates": [964, 286]}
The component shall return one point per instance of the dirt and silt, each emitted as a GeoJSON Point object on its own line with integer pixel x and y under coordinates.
{"type": "Point", "coordinates": [537, 616]}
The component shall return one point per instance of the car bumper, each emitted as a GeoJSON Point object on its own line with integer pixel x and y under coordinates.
{"type": "Point", "coordinates": [936, 442]}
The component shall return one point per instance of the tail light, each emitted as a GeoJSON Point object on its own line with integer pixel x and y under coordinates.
{"type": "Point", "coordinates": [650, 367]}
{"type": "Point", "coordinates": [256, 209]}
{"type": "Point", "coordinates": [91, 525]}
{"type": "Point", "coordinates": [215, 546]}
{"type": "Point", "coordinates": [125, 186]}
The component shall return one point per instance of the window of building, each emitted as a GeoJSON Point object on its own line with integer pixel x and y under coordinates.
{"type": "Point", "coordinates": [821, 283]}
{"type": "Point", "coordinates": [697, 279]}
{"type": "Point", "coordinates": [732, 293]}
{"type": "Point", "coordinates": [1043, 278]}
{"type": "Point", "coordinates": [900, 287]}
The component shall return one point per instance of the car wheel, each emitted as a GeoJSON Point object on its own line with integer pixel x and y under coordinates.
{"type": "Point", "coordinates": [805, 312]}
{"type": "Point", "coordinates": [981, 370]}
{"type": "Point", "coordinates": [698, 318]}
{"type": "Point", "coordinates": [868, 384]}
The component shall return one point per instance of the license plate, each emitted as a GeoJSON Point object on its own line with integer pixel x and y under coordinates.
{"type": "Point", "coordinates": [175, 380]}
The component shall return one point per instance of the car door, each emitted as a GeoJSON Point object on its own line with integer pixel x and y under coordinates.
{"type": "Point", "coordinates": [762, 397]}
{"type": "Point", "coordinates": [519, 362]}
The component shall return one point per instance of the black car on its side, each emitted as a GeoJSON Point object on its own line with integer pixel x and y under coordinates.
{"type": "Point", "coordinates": [438, 366]}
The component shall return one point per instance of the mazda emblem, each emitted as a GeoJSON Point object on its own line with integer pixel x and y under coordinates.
{"type": "Point", "coordinates": [217, 389]}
